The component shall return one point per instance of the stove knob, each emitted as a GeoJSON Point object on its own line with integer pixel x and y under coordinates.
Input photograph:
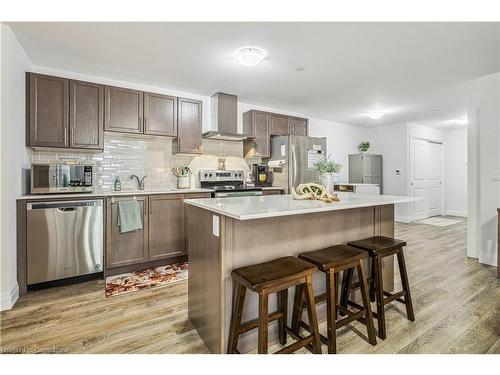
{"type": "Point", "coordinates": [206, 175]}
{"type": "Point", "coordinates": [210, 175]}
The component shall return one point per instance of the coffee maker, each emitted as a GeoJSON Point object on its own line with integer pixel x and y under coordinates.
{"type": "Point", "coordinates": [261, 175]}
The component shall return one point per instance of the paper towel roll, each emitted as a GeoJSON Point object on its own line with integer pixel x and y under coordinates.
{"type": "Point", "coordinates": [276, 163]}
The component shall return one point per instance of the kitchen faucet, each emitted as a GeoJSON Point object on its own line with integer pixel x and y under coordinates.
{"type": "Point", "coordinates": [140, 182]}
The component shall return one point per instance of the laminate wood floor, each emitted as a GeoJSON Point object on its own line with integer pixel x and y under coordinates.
{"type": "Point", "coordinates": [456, 300]}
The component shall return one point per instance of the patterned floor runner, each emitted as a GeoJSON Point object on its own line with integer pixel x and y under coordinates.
{"type": "Point", "coordinates": [149, 278]}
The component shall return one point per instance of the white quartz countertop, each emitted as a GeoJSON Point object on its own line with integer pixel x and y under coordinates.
{"type": "Point", "coordinates": [259, 207]}
{"type": "Point", "coordinates": [114, 193]}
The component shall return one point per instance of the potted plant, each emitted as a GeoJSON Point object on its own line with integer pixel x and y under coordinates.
{"type": "Point", "coordinates": [329, 171]}
{"type": "Point", "coordinates": [364, 146]}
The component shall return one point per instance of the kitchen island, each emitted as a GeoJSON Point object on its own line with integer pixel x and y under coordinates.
{"type": "Point", "coordinates": [226, 233]}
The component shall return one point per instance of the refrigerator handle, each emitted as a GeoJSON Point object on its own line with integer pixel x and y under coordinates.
{"type": "Point", "coordinates": [294, 166]}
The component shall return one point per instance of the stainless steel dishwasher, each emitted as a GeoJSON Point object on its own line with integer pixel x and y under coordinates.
{"type": "Point", "coordinates": [64, 239]}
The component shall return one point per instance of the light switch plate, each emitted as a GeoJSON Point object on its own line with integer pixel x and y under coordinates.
{"type": "Point", "coordinates": [215, 225]}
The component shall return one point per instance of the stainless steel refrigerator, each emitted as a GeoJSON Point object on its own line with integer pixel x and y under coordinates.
{"type": "Point", "coordinates": [298, 154]}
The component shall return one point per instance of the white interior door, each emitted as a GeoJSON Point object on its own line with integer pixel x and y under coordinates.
{"type": "Point", "coordinates": [425, 175]}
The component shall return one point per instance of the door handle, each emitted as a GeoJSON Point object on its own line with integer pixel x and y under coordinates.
{"type": "Point", "coordinates": [67, 209]}
{"type": "Point", "coordinates": [294, 166]}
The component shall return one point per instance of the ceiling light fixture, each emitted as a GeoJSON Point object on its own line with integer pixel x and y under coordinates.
{"type": "Point", "coordinates": [375, 115]}
{"type": "Point", "coordinates": [250, 56]}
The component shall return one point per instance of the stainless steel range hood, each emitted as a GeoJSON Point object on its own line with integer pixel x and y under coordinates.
{"type": "Point", "coordinates": [224, 115]}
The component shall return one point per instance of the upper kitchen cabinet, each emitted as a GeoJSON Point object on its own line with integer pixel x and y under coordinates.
{"type": "Point", "coordinates": [279, 125]}
{"type": "Point", "coordinates": [298, 126]}
{"type": "Point", "coordinates": [64, 113]}
{"type": "Point", "coordinates": [160, 114]}
{"type": "Point", "coordinates": [86, 115]}
{"type": "Point", "coordinates": [123, 110]}
{"type": "Point", "coordinates": [256, 124]}
{"type": "Point", "coordinates": [189, 127]}
{"type": "Point", "coordinates": [48, 111]}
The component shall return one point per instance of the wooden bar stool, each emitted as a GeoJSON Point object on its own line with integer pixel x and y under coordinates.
{"type": "Point", "coordinates": [331, 261]}
{"type": "Point", "coordinates": [270, 277]}
{"type": "Point", "coordinates": [379, 247]}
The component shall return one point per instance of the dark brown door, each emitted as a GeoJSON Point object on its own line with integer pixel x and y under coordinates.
{"type": "Point", "coordinates": [123, 110]}
{"type": "Point", "coordinates": [48, 111]}
{"type": "Point", "coordinates": [299, 126]}
{"type": "Point", "coordinates": [160, 114]}
{"type": "Point", "coordinates": [167, 231]}
{"type": "Point", "coordinates": [125, 248]}
{"type": "Point", "coordinates": [86, 115]}
{"type": "Point", "coordinates": [279, 125]}
{"type": "Point", "coordinates": [262, 141]}
{"type": "Point", "coordinates": [189, 129]}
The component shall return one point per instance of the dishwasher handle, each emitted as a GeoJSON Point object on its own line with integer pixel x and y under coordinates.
{"type": "Point", "coordinates": [63, 206]}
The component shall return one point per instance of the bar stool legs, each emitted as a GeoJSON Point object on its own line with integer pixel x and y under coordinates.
{"type": "Point", "coordinates": [300, 276]}
{"type": "Point", "coordinates": [363, 314]}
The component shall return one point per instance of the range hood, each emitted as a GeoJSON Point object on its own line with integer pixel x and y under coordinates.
{"type": "Point", "coordinates": [224, 115]}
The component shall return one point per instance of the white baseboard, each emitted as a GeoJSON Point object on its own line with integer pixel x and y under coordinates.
{"type": "Point", "coordinates": [402, 219]}
{"type": "Point", "coordinates": [456, 213]}
{"type": "Point", "coordinates": [9, 298]}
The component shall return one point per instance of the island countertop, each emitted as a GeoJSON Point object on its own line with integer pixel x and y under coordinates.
{"type": "Point", "coordinates": [258, 207]}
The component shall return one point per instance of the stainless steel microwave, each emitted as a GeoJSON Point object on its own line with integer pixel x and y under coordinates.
{"type": "Point", "coordinates": [61, 178]}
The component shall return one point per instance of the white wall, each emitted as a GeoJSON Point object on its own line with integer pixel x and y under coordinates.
{"type": "Point", "coordinates": [391, 142]}
{"type": "Point", "coordinates": [14, 157]}
{"type": "Point", "coordinates": [342, 140]}
{"type": "Point", "coordinates": [456, 171]}
{"type": "Point", "coordinates": [484, 166]}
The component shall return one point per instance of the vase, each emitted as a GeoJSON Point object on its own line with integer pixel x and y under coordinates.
{"type": "Point", "coordinates": [183, 182]}
{"type": "Point", "coordinates": [329, 180]}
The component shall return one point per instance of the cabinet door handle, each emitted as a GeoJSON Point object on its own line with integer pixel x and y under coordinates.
{"type": "Point", "coordinates": [72, 136]}
{"type": "Point", "coordinates": [65, 136]}
{"type": "Point", "coordinates": [145, 122]}
{"type": "Point", "coordinates": [141, 124]}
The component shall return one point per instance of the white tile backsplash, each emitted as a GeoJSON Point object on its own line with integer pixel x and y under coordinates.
{"type": "Point", "coordinates": [125, 155]}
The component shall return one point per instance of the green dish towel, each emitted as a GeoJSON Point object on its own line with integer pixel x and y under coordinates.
{"type": "Point", "coordinates": [129, 216]}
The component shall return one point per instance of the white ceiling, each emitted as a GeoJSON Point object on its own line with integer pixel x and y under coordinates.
{"type": "Point", "coordinates": [405, 69]}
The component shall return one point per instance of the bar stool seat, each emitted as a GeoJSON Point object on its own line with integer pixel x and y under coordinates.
{"type": "Point", "coordinates": [266, 275]}
{"type": "Point", "coordinates": [331, 261]}
{"type": "Point", "coordinates": [334, 256]}
{"type": "Point", "coordinates": [379, 247]}
{"type": "Point", "coordinates": [275, 276]}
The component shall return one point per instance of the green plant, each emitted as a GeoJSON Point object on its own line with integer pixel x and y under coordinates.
{"type": "Point", "coordinates": [364, 146]}
{"type": "Point", "coordinates": [327, 165]}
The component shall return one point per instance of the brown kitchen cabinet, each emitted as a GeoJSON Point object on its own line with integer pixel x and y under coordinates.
{"type": "Point", "coordinates": [256, 124]}
{"type": "Point", "coordinates": [279, 125]}
{"type": "Point", "coordinates": [189, 127]}
{"type": "Point", "coordinates": [64, 113]}
{"type": "Point", "coordinates": [272, 192]}
{"type": "Point", "coordinates": [160, 114]}
{"type": "Point", "coordinates": [123, 249]}
{"type": "Point", "coordinates": [262, 125]}
{"type": "Point", "coordinates": [167, 231]}
{"type": "Point", "coordinates": [298, 126]}
{"type": "Point", "coordinates": [123, 110]}
{"type": "Point", "coordinates": [48, 111]}
{"type": "Point", "coordinates": [86, 115]}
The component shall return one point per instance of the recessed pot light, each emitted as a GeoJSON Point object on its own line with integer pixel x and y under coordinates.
{"type": "Point", "coordinates": [375, 115]}
{"type": "Point", "coordinates": [250, 56]}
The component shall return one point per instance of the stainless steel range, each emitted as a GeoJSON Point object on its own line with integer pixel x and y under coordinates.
{"type": "Point", "coordinates": [227, 184]}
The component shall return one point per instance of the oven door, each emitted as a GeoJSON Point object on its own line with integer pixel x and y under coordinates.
{"type": "Point", "coordinates": [228, 194]}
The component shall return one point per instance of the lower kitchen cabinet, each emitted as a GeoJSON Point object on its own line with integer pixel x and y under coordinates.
{"type": "Point", "coordinates": [167, 231]}
{"type": "Point", "coordinates": [163, 235]}
{"type": "Point", "coordinates": [123, 249]}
